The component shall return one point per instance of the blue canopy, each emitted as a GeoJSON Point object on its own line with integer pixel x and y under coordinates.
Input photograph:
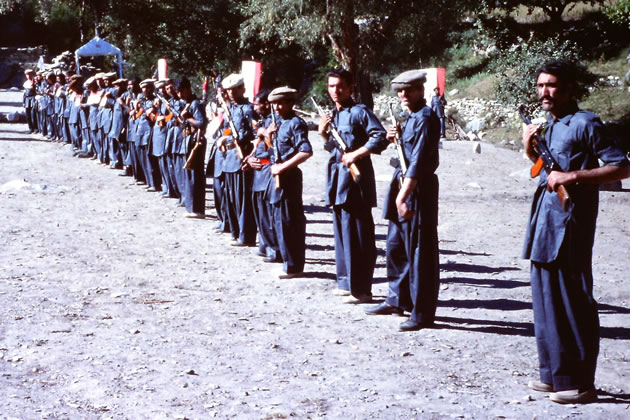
{"type": "Point", "coordinates": [99, 47]}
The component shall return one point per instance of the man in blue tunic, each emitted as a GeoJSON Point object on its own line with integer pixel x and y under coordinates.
{"type": "Point", "coordinates": [260, 163]}
{"type": "Point", "coordinates": [194, 194]}
{"type": "Point", "coordinates": [411, 207]}
{"type": "Point", "coordinates": [117, 133]}
{"type": "Point", "coordinates": [291, 148]}
{"type": "Point", "coordinates": [352, 200]}
{"type": "Point", "coordinates": [30, 90]}
{"type": "Point", "coordinates": [144, 130]}
{"type": "Point", "coordinates": [238, 183]}
{"type": "Point", "coordinates": [437, 105]}
{"type": "Point", "coordinates": [559, 243]}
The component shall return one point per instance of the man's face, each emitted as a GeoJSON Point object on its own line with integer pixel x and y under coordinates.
{"type": "Point", "coordinates": [130, 87]}
{"type": "Point", "coordinates": [553, 93]}
{"type": "Point", "coordinates": [339, 90]}
{"type": "Point", "coordinates": [184, 93]}
{"type": "Point", "coordinates": [411, 97]}
{"type": "Point", "coordinates": [147, 89]}
{"type": "Point", "coordinates": [284, 107]}
{"type": "Point", "coordinates": [236, 93]}
{"type": "Point", "coordinates": [170, 90]}
{"type": "Point", "coordinates": [261, 107]}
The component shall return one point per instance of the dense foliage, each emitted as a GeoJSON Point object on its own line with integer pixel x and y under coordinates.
{"type": "Point", "coordinates": [517, 68]}
{"type": "Point", "coordinates": [619, 13]}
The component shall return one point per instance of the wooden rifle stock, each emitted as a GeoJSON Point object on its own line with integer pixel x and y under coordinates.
{"type": "Point", "coordinates": [545, 161]}
{"type": "Point", "coordinates": [338, 141]}
{"type": "Point", "coordinates": [193, 157]}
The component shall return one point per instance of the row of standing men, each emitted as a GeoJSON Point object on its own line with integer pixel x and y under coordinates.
{"type": "Point", "coordinates": [156, 132]}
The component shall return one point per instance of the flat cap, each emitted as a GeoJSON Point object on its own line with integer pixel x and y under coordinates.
{"type": "Point", "coordinates": [120, 82]}
{"type": "Point", "coordinates": [159, 84]}
{"type": "Point", "coordinates": [233, 81]}
{"type": "Point", "coordinates": [408, 79]}
{"type": "Point", "coordinates": [110, 75]}
{"type": "Point", "coordinates": [281, 93]}
{"type": "Point", "coordinates": [89, 81]}
{"type": "Point", "coordinates": [75, 77]}
{"type": "Point", "coordinates": [99, 75]}
{"type": "Point", "coordinates": [147, 82]}
{"type": "Point", "coordinates": [29, 71]}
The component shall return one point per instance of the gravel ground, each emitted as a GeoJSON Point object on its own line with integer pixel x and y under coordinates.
{"type": "Point", "coordinates": [113, 305]}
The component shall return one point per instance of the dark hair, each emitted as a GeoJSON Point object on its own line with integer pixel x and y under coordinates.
{"type": "Point", "coordinates": [183, 83]}
{"type": "Point", "coordinates": [263, 95]}
{"type": "Point", "coordinates": [564, 70]}
{"type": "Point", "coordinates": [341, 73]}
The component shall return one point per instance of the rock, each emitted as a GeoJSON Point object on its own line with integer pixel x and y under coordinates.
{"type": "Point", "coordinates": [13, 117]}
{"type": "Point", "coordinates": [477, 148]}
{"type": "Point", "coordinates": [476, 125]}
{"type": "Point", "coordinates": [455, 91]}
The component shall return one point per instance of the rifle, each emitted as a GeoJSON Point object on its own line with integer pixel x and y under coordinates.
{"type": "Point", "coordinates": [192, 158]}
{"type": "Point", "coordinates": [276, 153]}
{"type": "Point", "coordinates": [545, 161]}
{"type": "Point", "coordinates": [338, 141]}
{"type": "Point", "coordinates": [232, 130]}
{"type": "Point", "coordinates": [170, 110]}
{"type": "Point", "coordinates": [399, 149]}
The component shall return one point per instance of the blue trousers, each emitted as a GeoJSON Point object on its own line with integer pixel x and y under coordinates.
{"type": "Point", "coordinates": [413, 268]}
{"type": "Point", "coordinates": [264, 216]}
{"type": "Point", "coordinates": [31, 118]}
{"type": "Point", "coordinates": [75, 135]}
{"type": "Point", "coordinates": [238, 186]}
{"type": "Point", "coordinates": [566, 322]}
{"type": "Point", "coordinates": [194, 194]}
{"type": "Point", "coordinates": [172, 178]}
{"type": "Point", "coordinates": [136, 165]}
{"type": "Point", "coordinates": [355, 248]}
{"type": "Point", "coordinates": [220, 202]}
{"type": "Point", "coordinates": [290, 227]}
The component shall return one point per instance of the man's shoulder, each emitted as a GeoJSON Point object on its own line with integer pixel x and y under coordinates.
{"type": "Point", "coordinates": [297, 121]}
{"type": "Point", "coordinates": [424, 112]}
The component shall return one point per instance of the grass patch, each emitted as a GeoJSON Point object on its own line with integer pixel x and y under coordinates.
{"type": "Point", "coordinates": [611, 104]}
{"type": "Point", "coordinates": [479, 86]}
{"type": "Point", "coordinates": [611, 66]}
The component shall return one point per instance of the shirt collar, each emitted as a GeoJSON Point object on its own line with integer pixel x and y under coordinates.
{"type": "Point", "coordinates": [572, 108]}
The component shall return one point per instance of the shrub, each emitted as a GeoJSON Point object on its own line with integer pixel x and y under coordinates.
{"type": "Point", "coordinates": [517, 66]}
{"type": "Point", "coordinates": [619, 13]}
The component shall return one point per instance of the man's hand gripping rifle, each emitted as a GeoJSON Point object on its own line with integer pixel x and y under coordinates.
{"type": "Point", "coordinates": [233, 131]}
{"type": "Point", "coordinates": [545, 161]}
{"type": "Point", "coordinates": [338, 141]}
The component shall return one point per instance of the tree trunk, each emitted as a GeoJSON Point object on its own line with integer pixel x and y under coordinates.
{"type": "Point", "coordinates": [343, 35]}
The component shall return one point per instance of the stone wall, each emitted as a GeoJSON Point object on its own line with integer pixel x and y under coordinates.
{"type": "Point", "coordinates": [13, 62]}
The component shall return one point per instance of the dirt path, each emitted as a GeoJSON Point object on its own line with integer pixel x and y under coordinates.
{"type": "Point", "coordinates": [113, 305]}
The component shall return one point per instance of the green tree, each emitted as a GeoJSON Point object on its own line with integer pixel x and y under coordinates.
{"type": "Point", "coordinates": [517, 67]}
{"type": "Point", "coordinates": [361, 35]}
